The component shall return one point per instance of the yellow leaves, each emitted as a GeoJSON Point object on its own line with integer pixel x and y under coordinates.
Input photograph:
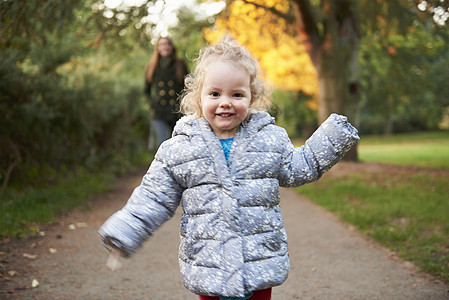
{"type": "Point", "coordinates": [282, 56]}
{"type": "Point", "coordinates": [289, 67]}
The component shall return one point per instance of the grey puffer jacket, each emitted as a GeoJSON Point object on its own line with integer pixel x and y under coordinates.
{"type": "Point", "coordinates": [232, 236]}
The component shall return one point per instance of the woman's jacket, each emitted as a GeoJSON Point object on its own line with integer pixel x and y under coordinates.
{"type": "Point", "coordinates": [232, 235]}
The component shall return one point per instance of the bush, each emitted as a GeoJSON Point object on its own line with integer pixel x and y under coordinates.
{"type": "Point", "coordinates": [60, 113]}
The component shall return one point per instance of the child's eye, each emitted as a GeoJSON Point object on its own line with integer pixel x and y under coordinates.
{"type": "Point", "coordinates": [215, 94]}
{"type": "Point", "coordinates": [238, 95]}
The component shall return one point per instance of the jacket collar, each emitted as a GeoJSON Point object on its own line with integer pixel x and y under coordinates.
{"type": "Point", "coordinates": [188, 125]}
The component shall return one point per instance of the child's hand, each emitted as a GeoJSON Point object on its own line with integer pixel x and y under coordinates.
{"type": "Point", "coordinates": [113, 262]}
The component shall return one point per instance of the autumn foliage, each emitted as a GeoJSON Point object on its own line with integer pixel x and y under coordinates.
{"type": "Point", "coordinates": [280, 53]}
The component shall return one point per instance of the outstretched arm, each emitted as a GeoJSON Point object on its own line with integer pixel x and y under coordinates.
{"type": "Point", "coordinates": [327, 145]}
{"type": "Point", "coordinates": [151, 204]}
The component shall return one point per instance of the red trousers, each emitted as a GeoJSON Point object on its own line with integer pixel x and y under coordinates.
{"type": "Point", "coordinates": [257, 295]}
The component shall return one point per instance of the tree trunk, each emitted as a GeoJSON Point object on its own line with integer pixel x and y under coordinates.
{"type": "Point", "coordinates": [338, 77]}
{"type": "Point", "coordinates": [334, 53]}
{"type": "Point", "coordinates": [338, 95]}
{"type": "Point", "coordinates": [388, 129]}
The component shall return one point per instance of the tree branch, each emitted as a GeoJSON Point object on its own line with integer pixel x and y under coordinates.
{"type": "Point", "coordinates": [305, 18]}
{"type": "Point", "coordinates": [306, 27]}
{"type": "Point", "coordinates": [288, 17]}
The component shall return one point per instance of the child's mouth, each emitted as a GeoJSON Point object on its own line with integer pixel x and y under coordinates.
{"type": "Point", "coordinates": [224, 115]}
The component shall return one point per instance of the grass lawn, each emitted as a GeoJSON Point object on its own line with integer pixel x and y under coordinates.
{"type": "Point", "coordinates": [406, 208]}
{"type": "Point", "coordinates": [24, 210]}
{"type": "Point", "coordinates": [425, 150]}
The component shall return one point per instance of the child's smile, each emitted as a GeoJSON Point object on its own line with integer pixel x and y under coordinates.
{"type": "Point", "coordinates": [225, 97]}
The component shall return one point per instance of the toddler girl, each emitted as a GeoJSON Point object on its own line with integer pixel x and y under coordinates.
{"type": "Point", "coordinates": [224, 164]}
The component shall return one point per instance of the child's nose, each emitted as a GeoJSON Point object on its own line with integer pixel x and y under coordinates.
{"type": "Point", "coordinates": [225, 102]}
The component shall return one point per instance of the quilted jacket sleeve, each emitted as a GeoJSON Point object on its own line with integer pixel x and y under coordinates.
{"type": "Point", "coordinates": [328, 144]}
{"type": "Point", "coordinates": [151, 204]}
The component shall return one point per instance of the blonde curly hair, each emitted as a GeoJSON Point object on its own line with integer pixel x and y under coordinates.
{"type": "Point", "coordinates": [231, 51]}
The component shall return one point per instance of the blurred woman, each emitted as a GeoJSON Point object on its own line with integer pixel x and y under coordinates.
{"type": "Point", "coordinates": [164, 82]}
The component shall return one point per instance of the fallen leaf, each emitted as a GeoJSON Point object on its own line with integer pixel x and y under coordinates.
{"type": "Point", "coordinates": [53, 250]}
{"type": "Point", "coordinates": [12, 273]}
{"type": "Point", "coordinates": [30, 256]}
{"type": "Point", "coordinates": [34, 283]}
{"type": "Point", "coordinates": [72, 227]}
{"type": "Point", "coordinates": [81, 224]}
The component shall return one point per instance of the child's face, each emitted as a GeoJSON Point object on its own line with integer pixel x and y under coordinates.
{"type": "Point", "coordinates": [225, 97]}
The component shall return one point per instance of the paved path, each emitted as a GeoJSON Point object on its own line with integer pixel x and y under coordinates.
{"type": "Point", "coordinates": [329, 260]}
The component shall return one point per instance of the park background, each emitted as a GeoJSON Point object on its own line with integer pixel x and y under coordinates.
{"type": "Point", "coordinates": [74, 117]}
